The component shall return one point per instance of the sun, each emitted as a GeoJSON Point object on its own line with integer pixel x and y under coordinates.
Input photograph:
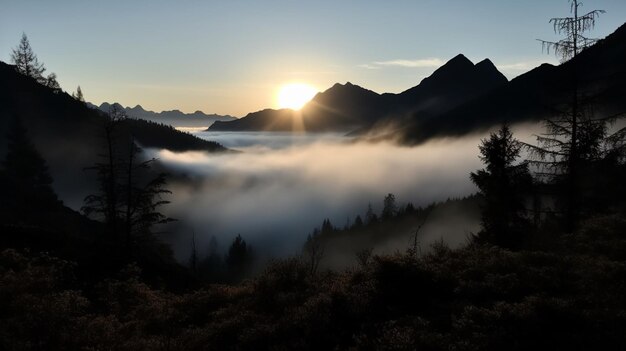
{"type": "Point", "coordinates": [294, 96]}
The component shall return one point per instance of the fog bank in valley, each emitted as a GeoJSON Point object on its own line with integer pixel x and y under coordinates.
{"type": "Point", "coordinates": [274, 196]}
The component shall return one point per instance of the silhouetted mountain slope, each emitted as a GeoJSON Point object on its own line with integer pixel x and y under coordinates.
{"type": "Point", "coordinates": [69, 134]}
{"type": "Point", "coordinates": [275, 120]}
{"type": "Point", "coordinates": [342, 107]}
{"type": "Point", "coordinates": [174, 118]}
{"type": "Point", "coordinates": [601, 72]}
{"type": "Point", "coordinates": [457, 81]}
{"type": "Point", "coordinates": [348, 107]}
{"type": "Point", "coordinates": [457, 98]}
{"type": "Point", "coordinates": [60, 231]}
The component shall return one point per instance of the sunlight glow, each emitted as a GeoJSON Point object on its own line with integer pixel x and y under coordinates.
{"type": "Point", "coordinates": [294, 96]}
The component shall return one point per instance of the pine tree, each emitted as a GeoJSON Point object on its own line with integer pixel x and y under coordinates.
{"type": "Point", "coordinates": [238, 259]}
{"type": "Point", "coordinates": [26, 61]}
{"type": "Point", "coordinates": [327, 227]}
{"type": "Point", "coordinates": [575, 137]}
{"type": "Point", "coordinates": [52, 83]}
{"type": "Point", "coordinates": [503, 184]}
{"type": "Point", "coordinates": [106, 203]}
{"type": "Point", "coordinates": [130, 195]}
{"type": "Point", "coordinates": [358, 222]}
{"type": "Point", "coordinates": [574, 29]}
{"type": "Point", "coordinates": [389, 206]}
{"type": "Point", "coordinates": [78, 95]}
{"type": "Point", "coordinates": [210, 267]}
{"type": "Point", "coordinates": [370, 215]}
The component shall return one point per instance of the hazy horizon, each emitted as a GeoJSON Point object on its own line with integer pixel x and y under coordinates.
{"type": "Point", "coordinates": [232, 58]}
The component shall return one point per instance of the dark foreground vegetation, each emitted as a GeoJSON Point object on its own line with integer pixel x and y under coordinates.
{"type": "Point", "coordinates": [566, 293]}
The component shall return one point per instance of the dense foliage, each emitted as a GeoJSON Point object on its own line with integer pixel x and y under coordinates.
{"type": "Point", "coordinates": [480, 297]}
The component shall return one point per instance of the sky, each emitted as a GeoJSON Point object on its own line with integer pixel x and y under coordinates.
{"type": "Point", "coordinates": [233, 56]}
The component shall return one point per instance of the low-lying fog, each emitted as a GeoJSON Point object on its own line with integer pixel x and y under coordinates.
{"type": "Point", "coordinates": [281, 186]}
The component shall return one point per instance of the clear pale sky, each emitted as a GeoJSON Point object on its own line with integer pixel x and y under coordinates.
{"type": "Point", "coordinates": [231, 56]}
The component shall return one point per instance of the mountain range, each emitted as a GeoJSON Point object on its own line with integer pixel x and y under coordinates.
{"type": "Point", "coordinates": [175, 118]}
{"type": "Point", "coordinates": [346, 107]}
{"type": "Point", "coordinates": [457, 98]}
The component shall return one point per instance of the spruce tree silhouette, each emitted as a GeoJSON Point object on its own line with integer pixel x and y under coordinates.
{"type": "Point", "coordinates": [576, 136]}
{"type": "Point", "coordinates": [503, 184]}
{"type": "Point", "coordinates": [389, 207]}
{"type": "Point", "coordinates": [211, 266]}
{"type": "Point", "coordinates": [358, 222]}
{"type": "Point", "coordinates": [370, 215]}
{"type": "Point", "coordinates": [27, 63]}
{"type": "Point", "coordinates": [130, 194]}
{"type": "Point", "coordinates": [78, 95]}
{"type": "Point", "coordinates": [238, 259]}
{"type": "Point", "coordinates": [25, 177]}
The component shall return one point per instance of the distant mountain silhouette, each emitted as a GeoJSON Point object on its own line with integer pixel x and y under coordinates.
{"type": "Point", "coordinates": [457, 98]}
{"type": "Point", "coordinates": [535, 95]}
{"type": "Point", "coordinates": [174, 118]}
{"type": "Point", "coordinates": [348, 107]}
{"type": "Point", "coordinates": [342, 107]}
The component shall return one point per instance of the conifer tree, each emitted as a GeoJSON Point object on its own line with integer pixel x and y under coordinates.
{"type": "Point", "coordinates": [238, 259]}
{"type": "Point", "coordinates": [389, 206]}
{"type": "Point", "coordinates": [52, 83]}
{"type": "Point", "coordinates": [130, 195]}
{"type": "Point", "coordinates": [575, 137]}
{"type": "Point", "coordinates": [26, 61]}
{"type": "Point", "coordinates": [370, 215]}
{"type": "Point", "coordinates": [503, 184]}
{"type": "Point", "coordinates": [78, 95]}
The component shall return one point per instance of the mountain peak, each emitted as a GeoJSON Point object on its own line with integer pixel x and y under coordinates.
{"type": "Point", "coordinates": [344, 91]}
{"type": "Point", "coordinates": [456, 67]}
{"type": "Point", "coordinates": [486, 63]}
{"type": "Point", "coordinates": [459, 59]}
{"type": "Point", "coordinates": [486, 68]}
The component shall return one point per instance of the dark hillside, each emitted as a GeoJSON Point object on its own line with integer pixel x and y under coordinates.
{"type": "Point", "coordinates": [69, 134]}
{"type": "Point", "coordinates": [601, 70]}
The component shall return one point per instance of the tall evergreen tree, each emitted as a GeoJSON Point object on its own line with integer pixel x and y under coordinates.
{"type": "Point", "coordinates": [78, 95]}
{"type": "Point", "coordinates": [52, 83]}
{"type": "Point", "coordinates": [238, 259]}
{"type": "Point", "coordinates": [130, 194]}
{"type": "Point", "coordinates": [389, 206]}
{"type": "Point", "coordinates": [26, 61]}
{"type": "Point", "coordinates": [211, 266]}
{"type": "Point", "coordinates": [358, 222]}
{"type": "Point", "coordinates": [370, 215]}
{"type": "Point", "coordinates": [575, 137]}
{"type": "Point", "coordinates": [502, 183]}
